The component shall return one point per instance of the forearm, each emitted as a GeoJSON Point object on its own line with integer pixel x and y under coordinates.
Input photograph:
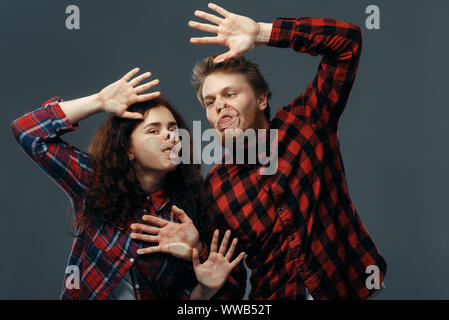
{"type": "Point", "coordinates": [79, 109]}
{"type": "Point", "coordinates": [201, 292]}
{"type": "Point", "coordinates": [38, 132]}
{"type": "Point", "coordinates": [333, 39]}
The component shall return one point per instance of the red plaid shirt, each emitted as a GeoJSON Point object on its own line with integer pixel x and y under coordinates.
{"type": "Point", "coordinates": [299, 226]}
{"type": "Point", "coordinates": [103, 254]}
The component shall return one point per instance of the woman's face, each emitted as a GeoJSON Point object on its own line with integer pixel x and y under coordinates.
{"type": "Point", "coordinates": [152, 140]}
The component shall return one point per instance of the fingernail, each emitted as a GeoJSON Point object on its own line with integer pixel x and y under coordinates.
{"type": "Point", "coordinates": [133, 226]}
{"type": "Point", "coordinates": [139, 251]}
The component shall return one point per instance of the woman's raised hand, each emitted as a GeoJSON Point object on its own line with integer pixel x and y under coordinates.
{"type": "Point", "coordinates": [212, 274]}
{"type": "Point", "coordinates": [118, 96]}
{"type": "Point", "coordinates": [238, 33]}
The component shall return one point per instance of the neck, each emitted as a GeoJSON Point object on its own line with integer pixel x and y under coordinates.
{"type": "Point", "coordinates": [150, 180]}
{"type": "Point", "coordinates": [261, 121]}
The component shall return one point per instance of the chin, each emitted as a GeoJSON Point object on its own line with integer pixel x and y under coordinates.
{"type": "Point", "coordinates": [172, 167]}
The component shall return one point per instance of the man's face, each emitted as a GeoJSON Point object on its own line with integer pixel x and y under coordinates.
{"type": "Point", "coordinates": [231, 103]}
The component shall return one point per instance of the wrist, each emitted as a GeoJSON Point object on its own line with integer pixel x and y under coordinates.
{"type": "Point", "coordinates": [205, 292]}
{"type": "Point", "coordinates": [264, 35]}
{"type": "Point", "coordinates": [201, 292]}
{"type": "Point", "coordinates": [98, 102]}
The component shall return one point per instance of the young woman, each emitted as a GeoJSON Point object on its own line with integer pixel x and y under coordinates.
{"type": "Point", "coordinates": [126, 179]}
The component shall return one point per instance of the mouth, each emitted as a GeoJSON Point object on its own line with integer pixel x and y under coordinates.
{"type": "Point", "coordinates": [167, 149]}
{"type": "Point", "coordinates": [226, 120]}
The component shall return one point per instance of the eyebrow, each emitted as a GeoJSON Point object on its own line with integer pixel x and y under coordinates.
{"type": "Point", "coordinates": [224, 89]}
{"type": "Point", "coordinates": [158, 124]}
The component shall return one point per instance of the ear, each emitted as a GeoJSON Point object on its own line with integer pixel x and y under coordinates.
{"type": "Point", "coordinates": [131, 155]}
{"type": "Point", "coordinates": [262, 101]}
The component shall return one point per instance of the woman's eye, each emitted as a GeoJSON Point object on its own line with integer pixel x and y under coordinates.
{"type": "Point", "coordinates": [231, 94]}
{"type": "Point", "coordinates": [153, 131]}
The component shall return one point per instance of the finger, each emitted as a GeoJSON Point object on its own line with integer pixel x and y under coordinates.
{"type": "Point", "coordinates": [131, 74]}
{"type": "Point", "coordinates": [144, 237]}
{"type": "Point", "coordinates": [183, 217]}
{"type": "Point", "coordinates": [195, 258]}
{"type": "Point", "coordinates": [219, 9]}
{"type": "Point", "coordinates": [205, 40]}
{"type": "Point", "coordinates": [149, 250]}
{"type": "Point", "coordinates": [237, 260]}
{"type": "Point", "coordinates": [143, 227]}
{"type": "Point", "coordinates": [223, 57]}
{"type": "Point", "coordinates": [203, 27]}
{"type": "Point", "coordinates": [138, 79]}
{"type": "Point", "coordinates": [148, 96]}
{"type": "Point", "coordinates": [214, 243]}
{"type": "Point", "coordinates": [224, 243]}
{"type": "Point", "coordinates": [155, 220]}
{"type": "Point", "coordinates": [146, 86]}
{"type": "Point", "coordinates": [208, 16]}
{"type": "Point", "coordinates": [131, 115]}
{"type": "Point", "coordinates": [231, 250]}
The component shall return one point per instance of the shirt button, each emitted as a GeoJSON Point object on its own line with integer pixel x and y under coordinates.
{"type": "Point", "coordinates": [137, 286]}
{"type": "Point", "coordinates": [148, 197]}
{"type": "Point", "coordinates": [292, 237]}
{"type": "Point", "coordinates": [280, 208]}
{"type": "Point", "coordinates": [145, 210]}
{"type": "Point", "coordinates": [131, 260]}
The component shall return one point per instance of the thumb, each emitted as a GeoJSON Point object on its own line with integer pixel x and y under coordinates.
{"type": "Point", "coordinates": [195, 258]}
{"type": "Point", "coordinates": [223, 57]}
{"type": "Point", "coordinates": [180, 213]}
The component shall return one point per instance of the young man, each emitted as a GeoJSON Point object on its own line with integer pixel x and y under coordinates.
{"type": "Point", "coordinates": [298, 226]}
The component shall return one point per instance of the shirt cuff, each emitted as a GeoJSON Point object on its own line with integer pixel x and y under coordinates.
{"type": "Point", "coordinates": [61, 124]}
{"type": "Point", "coordinates": [204, 254]}
{"type": "Point", "coordinates": [282, 33]}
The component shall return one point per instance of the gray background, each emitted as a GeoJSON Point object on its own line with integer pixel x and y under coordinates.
{"type": "Point", "coordinates": [393, 132]}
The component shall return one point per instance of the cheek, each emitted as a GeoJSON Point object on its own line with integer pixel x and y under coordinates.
{"type": "Point", "coordinates": [146, 148]}
{"type": "Point", "coordinates": [210, 118]}
{"type": "Point", "coordinates": [245, 104]}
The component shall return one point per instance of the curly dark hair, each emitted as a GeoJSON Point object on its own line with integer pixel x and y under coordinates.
{"type": "Point", "coordinates": [114, 192]}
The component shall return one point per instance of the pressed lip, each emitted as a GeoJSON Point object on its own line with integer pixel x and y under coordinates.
{"type": "Point", "coordinates": [226, 119]}
{"type": "Point", "coordinates": [167, 148]}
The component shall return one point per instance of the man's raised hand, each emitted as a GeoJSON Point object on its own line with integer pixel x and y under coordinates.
{"type": "Point", "coordinates": [238, 33]}
{"type": "Point", "coordinates": [118, 96]}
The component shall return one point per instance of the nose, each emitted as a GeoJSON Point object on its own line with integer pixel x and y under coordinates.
{"type": "Point", "coordinates": [220, 105]}
{"type": "Point", "coordinates": [170, 135]}
{"type": "Point", "coordinates": [167, 134]}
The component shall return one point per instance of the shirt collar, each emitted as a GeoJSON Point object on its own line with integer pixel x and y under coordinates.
{"type": "Point", "coordinates": [158, 199]}
{"type": "Point", "coordinates": [260, 155]}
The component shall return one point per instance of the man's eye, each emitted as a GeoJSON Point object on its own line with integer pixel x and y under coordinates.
{"type": "Point", "coordinates": [231, 94]}
{"type": "Point", "coordinates": [173, 129]}
{"type": "Point", "coordinates": [209, 103]}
